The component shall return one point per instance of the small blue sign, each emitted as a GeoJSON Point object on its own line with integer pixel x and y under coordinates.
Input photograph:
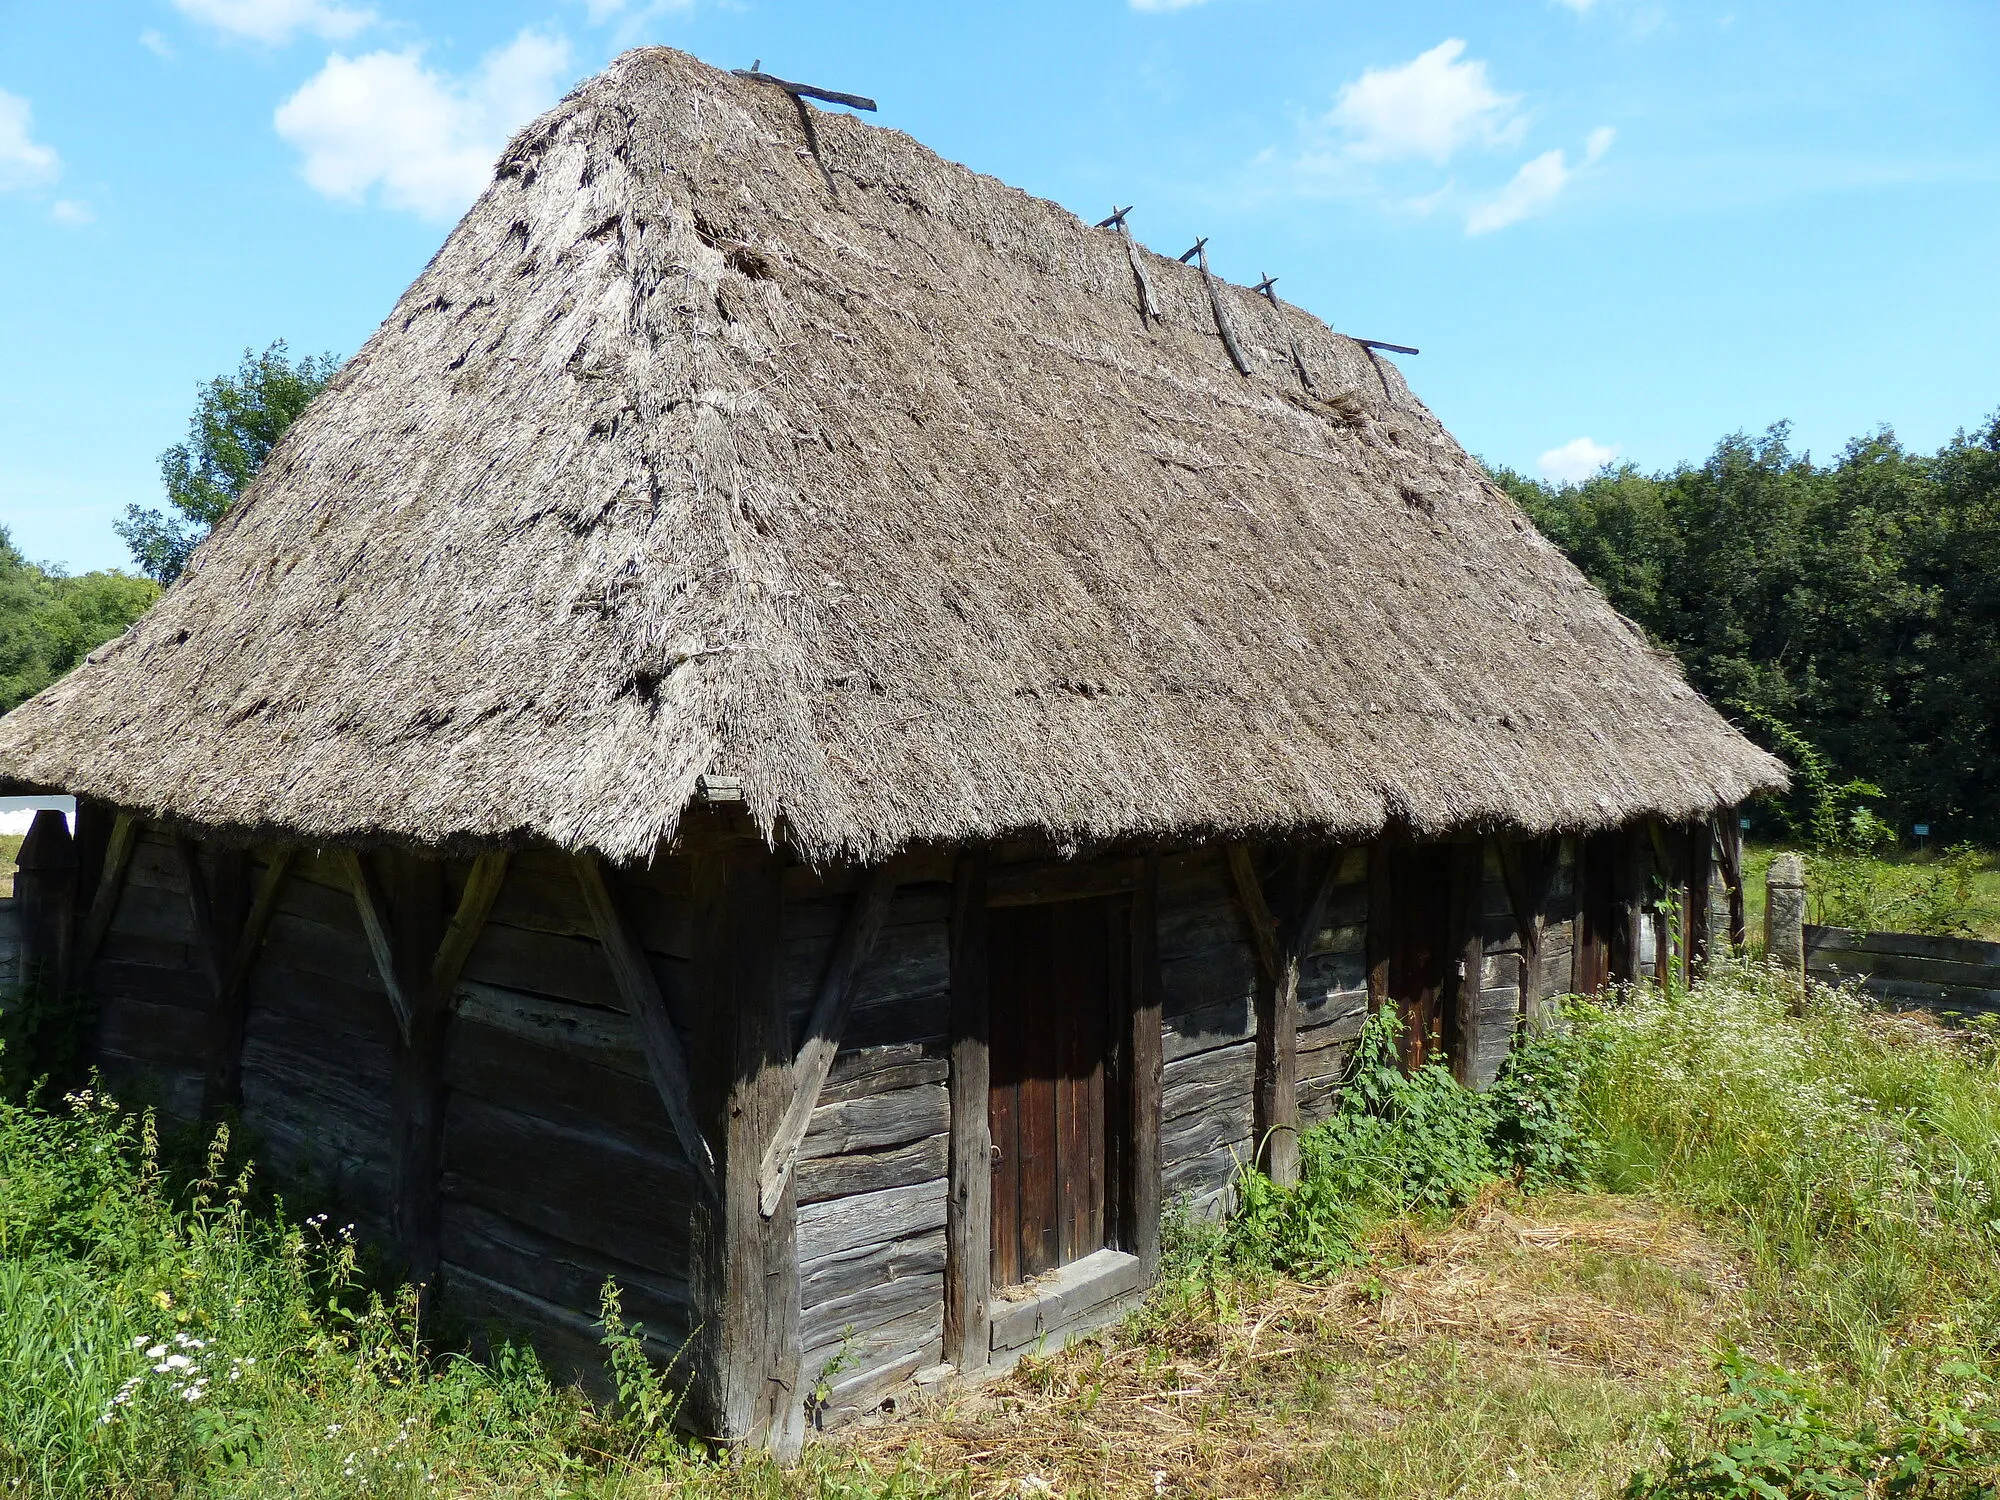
{"type": "Point", "coordinates": [1744, 823]}
{"type": "Point", "coordinates": [1921, 830]}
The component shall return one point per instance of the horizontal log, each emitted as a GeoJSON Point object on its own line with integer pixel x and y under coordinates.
{"type": "Point", "coordinates": [868, 1308]}
{"type": "Point", "coordinates": [1204, 1030]}
{"type": "Point", "coordinates": [815, 919]}
{"type": "Point", "coordinates": [345, 1014]}
{"type": "Point", "coordinates": [1920, 969]}
{"type": "Point", "coordinates": [877, 1120]}
{"type": "Point", "coordinates": [1035, 881]}
{"type": "Point", "coordinates": [511, 1253]}
{"type": "Point", "coordinates": [842, 1224]}
{"type": "Point", "coordinates": [1913, 945]}
{"type": "Point", "coordinates": [1200, 982]}
{"type": "Point", "coordinates": [300, 945]}
{"type": "Point", "coordinates": [906, 963]}
{"type": "Point", "coordinates": [827, 1177]}
{"type": "Point", "coordinates": [1206, 1172]}
{"type": "Point", "coordinates": [1207, 1133]}
{"type": "Point", "coordinates": [603, 1038]}
{"type": "Point", "coordinates": [587, 1188]}
{"type": "Point", "coordinates": [183, 988]}
{"type": "Point", "coordinates": [1933, 996]}
{"type": "Point", "coordinates": [556, 1085]}
{"type": "Point", "coordinates": [570, 1342]}
{"type": "Point", "coordinates": [876, 1386]}
{"type": "Point", "coordinates": [866, 1351]}
{"type": "Point", "coordinates": [567, 968]}
{"type": "Point", "coordinates": [861, 1071]}
{"type": "Point", "coordinates": [1051, 1304]}
{"type": "Point", "coordinates": [1208, 1079]}
{"type": "Point", "coordinates": [174, 1088]}
{"type": "Point", "coordinates": [861, 1266]}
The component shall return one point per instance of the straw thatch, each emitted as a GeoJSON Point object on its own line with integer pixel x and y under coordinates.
{"type": "Point", "coordinates": [872, 486]}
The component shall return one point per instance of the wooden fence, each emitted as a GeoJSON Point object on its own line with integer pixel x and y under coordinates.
{"type": "Point", "coordinates": [1943, 974]}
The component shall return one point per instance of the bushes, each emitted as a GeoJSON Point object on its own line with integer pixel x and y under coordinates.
{"type": "Point", "coordinates": [1412, 1141]}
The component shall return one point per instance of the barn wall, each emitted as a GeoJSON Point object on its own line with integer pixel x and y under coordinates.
{"type": "Point", "coordinates": [561, 1169]}
{"type": "Point", "coordinates": [872, 1171]}
{"type": "Point", "coordinates": [1333, 990]}
{"type": "Point", "coordinates": [152, 998]}
{"type": "Point", "coordinates": [319, 1040]}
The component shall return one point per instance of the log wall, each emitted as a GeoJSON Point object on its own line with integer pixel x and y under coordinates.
{"type": "Point", "coordinates": [152, 997]}
{"type": "Point", "coordinates": [872, 1171]}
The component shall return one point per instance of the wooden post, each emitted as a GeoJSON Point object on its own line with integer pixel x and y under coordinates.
{"type": "Point", "coordinates": [1145, 1053]}
{"type": "Point", "coordinates": [1381, 935]}
{"type": "Point", "coordinates": [1732, 878]}
{"type": "Point", "coordinates": [416, 900]}
{"type": "Point", "coordinates": [222, 1085]}
{"type": "Point", "coordinates": [1785, 916]}
{"type": "Point", "coordinates": [1275, 1102]}
{"type": "Point", "coordinates": [968, 1277]}
{"type": "Point", "coordinates": [1698, 900]}
{"type": "Point", "coordinates": [1527, 868]}
{"type": "Point", "coordinates": [1466, 955]}
{"type": "Point", "coordinates": [45, 885]}
{"type": "Point", "coordinates": [746, 1267]}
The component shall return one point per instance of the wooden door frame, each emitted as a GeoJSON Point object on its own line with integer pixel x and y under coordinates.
{"type": "Point", "coordinates": [1134, 1056]}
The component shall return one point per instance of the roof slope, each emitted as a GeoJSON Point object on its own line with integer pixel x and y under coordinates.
{"type": "Point", "coordinates": [874, 488]}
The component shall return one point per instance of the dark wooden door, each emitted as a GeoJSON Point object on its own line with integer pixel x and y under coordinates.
{"type": "Point", "coordinates": [1419, 942]}
{"type": "Point", "coordinates": [1597, 859]}
{"type": "Point", "coordinates": [1054, 978]}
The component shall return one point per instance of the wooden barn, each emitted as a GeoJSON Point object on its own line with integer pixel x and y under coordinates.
{"type": "Point", "coordinates": [810, 733]}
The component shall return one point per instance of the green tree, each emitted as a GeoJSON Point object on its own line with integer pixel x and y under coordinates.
{"type": "Point", "coordinates": [49, 621]}
{"type": "Point", "coordinates": [237, 422]}
{"type": "Point", "coordinates": [1856, 602]}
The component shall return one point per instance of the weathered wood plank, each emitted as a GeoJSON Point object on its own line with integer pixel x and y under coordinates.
{"type": "Point", "coordinates": [859, 1072]}
{"type": "Point", "coordinates": [640, 987]}
{"type": "Point", "coordinates": [861, 1266]}
{"type": "Point", "coordinates": [814, 1058]}
{"type": "Point", "coordinates": [840, 1224]}
{"type": "Point", "coordinates": [826, 1177]}
{"type": "Point", "coordinates": [368, 906]}
{"type": "Point", "coordinates": [104, 904]}
{"type": "Point", "coordinates": [1145, 1077]}
{"type": "Point", "coordinates": [876, 1120]}
{"type": "Point", "coordinates": [223, 1085]}
{"type": "Point", "coordinates": [862, 1312]}
{"type": "Point", "coordinates": [968, 1221]}
{"type": "Point", "coordinates": [1032, 882]}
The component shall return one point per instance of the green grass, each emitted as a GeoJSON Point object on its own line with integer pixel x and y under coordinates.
{"type": "Point", "coordinates": [1904, 891]}
{"type": "Point", "coordinates": [1812, 1183]}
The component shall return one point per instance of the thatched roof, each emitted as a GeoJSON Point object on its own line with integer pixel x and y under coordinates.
{"type": "Point", "coordinates": [875, 489]}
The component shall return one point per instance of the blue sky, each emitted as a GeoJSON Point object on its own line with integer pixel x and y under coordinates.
{"type": "Point", "coordinates": [1614, 227]}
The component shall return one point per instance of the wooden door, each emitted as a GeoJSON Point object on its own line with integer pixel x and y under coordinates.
{"type": "Point", "coordinates": [1053, 988]}
{"type": "Point", "coordinates": [1597, 859]}
{"type": "Point", "coordinates": [1419, 943]}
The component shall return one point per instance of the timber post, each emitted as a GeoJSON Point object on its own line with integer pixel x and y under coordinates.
{"type": "Point", "coordinates": [45, 885]}
{"type": "Point", "coordinates": [1785, 916]}
{"type": "Point", "coordinates": [416, 900]}
{"type": "Point", "coordinates": [968, 1277]}
{"type": "Point", "coordinates": [1145, 1053]}
{"type": "Point", "coordinates": [747, 1385]}
{"type": "Point", "coordinates": [1466, 956]}
{"type": "Point", "coordinates": [1700, 897]}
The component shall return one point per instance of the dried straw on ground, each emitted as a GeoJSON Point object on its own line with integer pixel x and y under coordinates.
{"type": "Point", "coordinates": [872, 485]}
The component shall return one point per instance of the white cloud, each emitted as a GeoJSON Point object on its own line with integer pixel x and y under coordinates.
{"type": "Point", "coordinates": [1432, 106]}
{"type": "Point", "coordinates": [72, 212]}
{"type": "Point", "coordinates": [422, 140]}
{"type": "Point", "coordinates": [156, 44]}
{"type": "Point", "coordinates": [24, 161]}
{"type": "Point", "coordinates": [276, 22]}
{"type": "Point", "coordinates": [1535, 186]}
{"type": "Point", "coordinates": [1575, 461]}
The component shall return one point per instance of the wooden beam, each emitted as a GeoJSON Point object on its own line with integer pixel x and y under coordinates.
{"type": "Point", "coordinates": [1145, 1053]}
{"type": "Point", "coordinates": [745, 1275]}
{"type": "Point", "coordinates": [866, 911]}
{"type": "Point", "coordinates": [1698, 900]}
{"type": "Point", "coordinates": [1281, 952]}
{"type": "Point", "coordinates": [368, 904]}
{"type": "Point", "coordinates": [1466, 955]}
{"type": "Point", "coordinates": [1381, 934]}
{"type": "Point", "coordinates": [222, 1085]}
{"type": "Point", "coordinates": [45, 886]}
{"type": "Point", "coordinates": [1526, 869]}
{"type": "Point", "coordinates": [969, 1201]}
{"type": "Point", "coordinates": [104, 904]}
{"type": "Point", "coordinates": [475, 905]}
{"type": "Point", "coordinates": [640, 988]}
{"type": "Point", "coordinates": [415, 911]}
{"type": "Point", "coordinates": [1033, 882]}
{"type": "Point", "coordinates": [208, 943]}
{"type": "Point", "coordinates": [1729, 832]}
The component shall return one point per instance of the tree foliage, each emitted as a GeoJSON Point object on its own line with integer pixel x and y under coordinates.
{"type": "Point", "coordinates": [1856, 602]}
{"type": "Point", "coordinates": [237, 422]}
{"type": "Point", "coordinates": [49, 621]}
